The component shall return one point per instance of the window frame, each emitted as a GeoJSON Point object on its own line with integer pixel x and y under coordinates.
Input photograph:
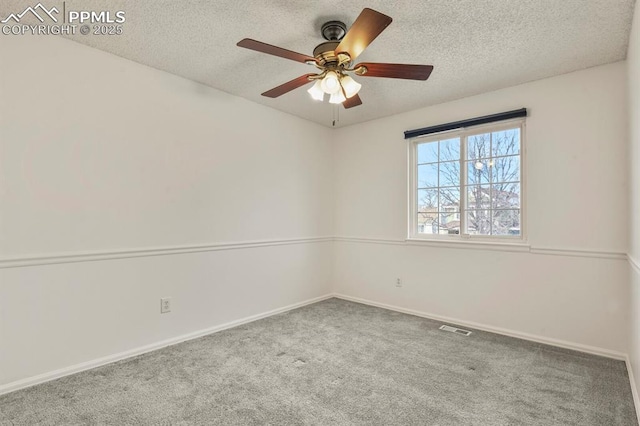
{"type": "Point", "coordinates": [464, 134]}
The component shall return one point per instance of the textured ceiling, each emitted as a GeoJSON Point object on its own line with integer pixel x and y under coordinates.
{"type": "Point", "coordinates": [475, 45]}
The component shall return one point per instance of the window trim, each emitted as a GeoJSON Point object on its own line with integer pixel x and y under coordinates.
{"type": "Point", "coordinates": [464, 133]}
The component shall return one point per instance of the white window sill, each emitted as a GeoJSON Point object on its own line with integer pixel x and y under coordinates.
{"type": "Point", "coordinates": [502, 245]}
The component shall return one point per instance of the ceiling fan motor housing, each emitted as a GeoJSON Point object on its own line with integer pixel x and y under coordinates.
{"type": "Point", "coordinates": [326, 55]}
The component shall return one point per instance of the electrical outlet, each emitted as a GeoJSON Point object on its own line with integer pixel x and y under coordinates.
{"type": "Point", "coordinates": [398, 282]}
{"type": "Point", "coordinates": [165, 305]}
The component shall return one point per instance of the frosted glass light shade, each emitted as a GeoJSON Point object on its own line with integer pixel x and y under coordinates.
{"type": "Point", "coordinates": [337, 98]}
{"type": "Point", "coordinates": [330, 83]}
{"type": "Point", "coordinates": [316, 91]}
{"type": "Point", "coordinates": [351, 87]}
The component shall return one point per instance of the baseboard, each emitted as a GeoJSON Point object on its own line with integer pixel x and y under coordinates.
{"type": "Point", "coordinates": [497, 330]}
{"type": "Point", "coordinates": [634, 388]}
{"type": "Point", "coordinates": [46, 377]}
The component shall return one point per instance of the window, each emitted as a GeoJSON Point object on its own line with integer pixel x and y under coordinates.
{"type": "Point", "coordinates": [467, 183]}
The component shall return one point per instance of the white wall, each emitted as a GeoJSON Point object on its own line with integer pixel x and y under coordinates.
{"type": "Point", "coordinates": [100, 155]}
{"type": "Point", "coordinates": [91, 165]}
{"type": "Point", "coordinates": [576, 140]}
{"type": "Point", "coordinates": [633, 62]}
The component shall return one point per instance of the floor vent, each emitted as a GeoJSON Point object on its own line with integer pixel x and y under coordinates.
{"type": "Point", "coordinates": [455, 330]}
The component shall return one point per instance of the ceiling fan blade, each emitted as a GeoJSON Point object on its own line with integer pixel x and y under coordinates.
{"type": "Point", "coordinates": [288, 86]}
{"type": "Point", "coordinates": [259, 46]}
{"type": "Point", "coordinates": [409, 72]}
{"type": "Point", "coordinates": [353, 101]}
{"type": "Point", "coordinates": [368, 25]}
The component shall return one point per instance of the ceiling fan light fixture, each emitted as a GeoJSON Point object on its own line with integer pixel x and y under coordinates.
{"type": "Point", "coordinates": [330, 83]}
{"type": "Point", "coordinates": [316, 91]}
{"type": "Point", "coordinates": [350, 86]}
{"type": "Point", "coordinates": [337, 98]}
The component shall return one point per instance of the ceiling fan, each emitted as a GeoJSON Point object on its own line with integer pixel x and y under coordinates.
{"type": "Point", "coordinates": [334, 59]}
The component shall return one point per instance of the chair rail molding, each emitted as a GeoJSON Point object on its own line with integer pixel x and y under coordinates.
{"type": "Point", "coordinates": [90, 256]}
{"type": "Point", "coordinates": [634, 263]}
{"type": "Point", "coordinates": [519, 247]}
